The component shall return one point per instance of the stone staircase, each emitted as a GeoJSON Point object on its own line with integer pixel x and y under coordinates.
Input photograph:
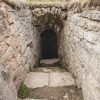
{"type": "Point", "coordinates": [51, 82]}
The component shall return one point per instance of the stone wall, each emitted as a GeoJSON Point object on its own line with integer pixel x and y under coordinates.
{"type": "Point", "coordinates": [18, 47]}
{"type": "Point", "coordinates": [80, 50]}
{"type": "Point", "coordinates": [78, 40]}
{"type": "Point", "coordinates": [20, 29]}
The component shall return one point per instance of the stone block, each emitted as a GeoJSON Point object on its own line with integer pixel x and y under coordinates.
{"type": "Point", "coordinates": [58, 79]}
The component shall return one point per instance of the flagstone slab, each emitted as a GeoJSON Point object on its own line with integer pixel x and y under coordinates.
{"type": "Point", "coordinates": [36, 79]}
{"type": "Point", "coordinates": [58, 79]}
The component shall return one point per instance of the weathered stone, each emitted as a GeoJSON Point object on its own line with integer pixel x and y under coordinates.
{"type": "Point", "coordinates": [49, 69]}
{"type": "Point", "coordinates": [51, 79]}
{"type": "Point", "coordinates": [78, 45]}
{"type": "Point", "coordinates": [49, 61]}
{"type": "Point", "coordinates": [91, 14]}
{"type": "Point", "coordinates": [7, 88]}
{"type": "Point", "coordinates": [1, 15]}
{"type": "Point", "coordinates": [61, 79]}
{"type": "Point", "coordinates": [36, 79]}
{"type": "Point", "coordinates": [10, 18]}
{"type": "Point", "coordinates": [91, 36]}
{"type": "Point", "coordinates": [81, 47]}
{"type": "Point", "coordinates": [66, 96]}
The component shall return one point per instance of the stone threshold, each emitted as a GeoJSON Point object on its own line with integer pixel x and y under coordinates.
{"type": "Point", "coordinates": [52, 79]}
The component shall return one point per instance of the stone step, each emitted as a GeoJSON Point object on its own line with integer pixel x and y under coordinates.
{"type": "Point", "coordinates": [55, 93]}
{"type": "Point", "coordinates": [50, 79]}
{"type": "Point", "coordinates": [49, 62]}
{"type": "Point", "coordinates": [49, 69]}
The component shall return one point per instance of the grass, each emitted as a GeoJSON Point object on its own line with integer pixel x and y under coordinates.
{"type": "Point", "coordinates": [23, 91]}
{"type": "Point", "coordinates": [17, 2]}
{"type": "Point", "coordinates": [47, 2]}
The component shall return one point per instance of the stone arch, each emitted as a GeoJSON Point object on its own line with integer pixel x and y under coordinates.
{"type": "Point", "coordinates": [50, 17]}
{"type": "Point", "coordinates": [44, 19]}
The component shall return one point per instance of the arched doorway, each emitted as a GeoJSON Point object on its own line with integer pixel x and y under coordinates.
{"type": "Point", "coordinates": [49, 46]}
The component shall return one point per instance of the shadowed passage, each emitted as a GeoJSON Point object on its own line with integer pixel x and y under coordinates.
{"type": "Point", "coordinates": [49, 46]}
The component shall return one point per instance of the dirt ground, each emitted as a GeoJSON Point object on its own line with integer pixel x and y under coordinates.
{"type": "Point", "coordinates": [56, 93]}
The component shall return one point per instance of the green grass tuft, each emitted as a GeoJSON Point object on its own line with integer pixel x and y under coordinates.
{"type": "Point", "coordinates": [23, 91]}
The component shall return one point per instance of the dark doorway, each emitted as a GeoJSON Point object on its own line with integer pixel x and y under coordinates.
{"type": "Point", "coordinates": [49, 44]}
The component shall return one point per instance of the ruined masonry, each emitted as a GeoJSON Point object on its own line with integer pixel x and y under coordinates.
{"type": "Point", "coordinates": [72, 70]}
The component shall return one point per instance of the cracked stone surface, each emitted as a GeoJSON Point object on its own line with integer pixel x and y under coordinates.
{"type": "Point", "coordinates": [51, 79]}
{"type": "Point", "coordinates": [36, 79]}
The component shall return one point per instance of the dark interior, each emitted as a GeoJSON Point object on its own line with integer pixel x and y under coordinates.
{"type": "Point", "coordinates": [49, 44]}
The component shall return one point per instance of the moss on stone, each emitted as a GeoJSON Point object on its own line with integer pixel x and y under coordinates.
{"type": "Point", "coordinates": [23, 91]}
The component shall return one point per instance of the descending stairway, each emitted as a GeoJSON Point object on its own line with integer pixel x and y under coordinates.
{"type": "Point", "coordinates": [51, 82]}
